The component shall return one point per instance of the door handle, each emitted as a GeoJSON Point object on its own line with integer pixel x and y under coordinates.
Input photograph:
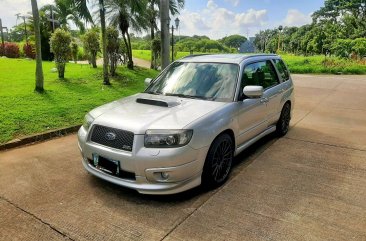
{"type": "Point", "coordinates": [264, 100]}
{"type": "Point", "coordinates": [281, 91]}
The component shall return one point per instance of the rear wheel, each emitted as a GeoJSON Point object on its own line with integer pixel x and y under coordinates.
{"type": "Point", "coordinates": [283, 123]}
{"type": "Point", "coordinates": [218, 162]}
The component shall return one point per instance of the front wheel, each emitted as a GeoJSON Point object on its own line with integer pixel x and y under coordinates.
{"type": "Point", "coordinates": [283, 123]}
{"type": "Point", "coordinates": [218, 162]}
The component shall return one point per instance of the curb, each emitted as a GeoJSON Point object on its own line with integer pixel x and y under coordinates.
{"type": "Point", "coordinates": [39, 137]}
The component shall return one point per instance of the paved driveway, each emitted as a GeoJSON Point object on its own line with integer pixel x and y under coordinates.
{"type": "Point", "coordinates": [310, 185]}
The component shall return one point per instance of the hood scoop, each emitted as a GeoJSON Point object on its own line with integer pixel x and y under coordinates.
{"type": "Point", "coordinates": [157, 102]}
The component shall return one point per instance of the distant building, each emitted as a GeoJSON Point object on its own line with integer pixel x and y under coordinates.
{"type": "Point", "coordinates": [248, 46]}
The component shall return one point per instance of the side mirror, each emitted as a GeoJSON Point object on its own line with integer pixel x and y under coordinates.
{"type": "Point", "coordinates": [253, 91]}
{"type": "Point", "coordinates": [147, 82]}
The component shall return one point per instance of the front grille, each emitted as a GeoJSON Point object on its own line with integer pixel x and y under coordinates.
{"type": "Point", "coordinates": [112, 137]}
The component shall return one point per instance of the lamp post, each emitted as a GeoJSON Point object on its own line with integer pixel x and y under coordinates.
{"type": "Point", "coordinates": [176, 28]}
{"type": "Point", "coordinates": [7, 34]}
{"type": "Point", "coordinates": [25, 25]}
{"type": "Point", "coordinates": [279, 37]}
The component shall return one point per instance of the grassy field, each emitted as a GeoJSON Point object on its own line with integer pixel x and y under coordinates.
{"type": "Point", "coordinates": [299, 64]}
{"type": "Point", "coordinates": [64, 103]}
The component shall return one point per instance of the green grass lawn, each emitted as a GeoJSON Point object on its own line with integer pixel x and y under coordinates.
{"type": "Point", "coordinates": [319, 64]}
{"type": "Point", "coordinates": [64, 103]}
{"type": "Point", "coordinates": [146, 54]}
{"type": "Point", "coordinates": [298, 64]}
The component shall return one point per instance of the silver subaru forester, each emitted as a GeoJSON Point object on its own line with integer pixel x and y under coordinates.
{"type": "Point", "coordinates": [186, 127]}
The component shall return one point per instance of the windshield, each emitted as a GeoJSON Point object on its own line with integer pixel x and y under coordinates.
{"type": "Point", "coordinates": [211, 81]}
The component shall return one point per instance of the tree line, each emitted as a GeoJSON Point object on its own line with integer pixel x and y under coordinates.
{"type": "Point", "coordinates": [338, 28]}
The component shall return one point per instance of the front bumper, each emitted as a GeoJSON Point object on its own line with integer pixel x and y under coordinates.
{"type": "Point", "coordinates": [184, 165]}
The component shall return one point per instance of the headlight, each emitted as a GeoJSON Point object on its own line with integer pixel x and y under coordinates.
{"type": "Point", "coordinates": [167, 138]}
{"type": "Point", "coordinates": [88, 120]}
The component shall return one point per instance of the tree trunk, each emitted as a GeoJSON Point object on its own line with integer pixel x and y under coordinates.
{"type": "Point", "coordinates": [94, 61]}
{"type": "Point", "coordinates": [113, 64]}
{"type": "Point", "coordinates": [164, 33]}
{"type": "Point", "coordinates": [104, 43]}
{"type": "Point", "coordinates": [129, 51]}
{"type": "Point", "coordinates": [152, 33]}
{"type": "Point", "coordinates": [39, 69]}
{"type": "Point", "coordinates": [61, 70]}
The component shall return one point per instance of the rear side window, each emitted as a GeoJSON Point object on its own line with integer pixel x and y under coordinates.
{"type": "Point", "coordinates": [261, 73]}
{"type": "Point", "coordinates": [282, 69]}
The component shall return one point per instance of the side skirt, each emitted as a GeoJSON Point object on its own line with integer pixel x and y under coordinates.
{"type": "Point", "coordinates": [244, 146]}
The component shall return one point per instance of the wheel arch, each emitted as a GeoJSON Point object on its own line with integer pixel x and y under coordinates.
{"type": "Point", "coordinates": [230, 132]}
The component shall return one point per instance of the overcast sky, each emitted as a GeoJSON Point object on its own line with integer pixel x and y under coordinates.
{"type": "Point", "coordinates": [214, 18]}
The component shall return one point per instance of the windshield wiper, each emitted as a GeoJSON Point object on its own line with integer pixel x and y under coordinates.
{"type": "Point", "coordinates": [152, 92]}
{"type": "Point", "coordinates": [188, 96]}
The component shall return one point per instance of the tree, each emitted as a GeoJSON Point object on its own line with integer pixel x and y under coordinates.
{"type": "Point", "coordinates": [82, 9]}
{"type": "Point", "coordinates": [64, 11]}
{"type": "Point", "coordinates": [126, 14]}
{"type": "Point", "coordinates": [233, 41]}
{"type": "Point", "coordinates": [351, 14]}
{"type": "Point", "coordinates": [39, 68]}
{"type": "Point", "coordinates": [91, 45]}
{"type": "Point", "coordinates": [113, 44]}
{"type": "Point", "coordinates": [104, 42]}
{"type": "Point", "coordinates": [60, 46]}
{"type": "Point", "coordinates": [153, 15]}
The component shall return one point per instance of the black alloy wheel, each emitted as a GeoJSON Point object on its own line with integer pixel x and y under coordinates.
{"type": "Point", "coordinates": [218, 162]}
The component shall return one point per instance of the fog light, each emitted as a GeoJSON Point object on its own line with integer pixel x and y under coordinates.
{"type": "Point", "coordinates": [164, 175]}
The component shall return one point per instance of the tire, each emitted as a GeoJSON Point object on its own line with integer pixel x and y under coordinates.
{"type": "Point", "coordinates": [218, 162]}
{"type": "Point", "coordinates": [283, 123]}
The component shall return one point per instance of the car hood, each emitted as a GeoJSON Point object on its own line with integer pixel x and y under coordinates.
{"type": "Point", "coordinates": [141, 112]}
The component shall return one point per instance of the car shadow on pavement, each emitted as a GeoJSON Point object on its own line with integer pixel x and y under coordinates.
{"type": "Point", "coordinates": [240, 162]}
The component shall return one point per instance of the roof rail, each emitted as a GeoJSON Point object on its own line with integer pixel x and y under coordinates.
{"type": "Point", "coordinates": [261, 55]}
{"type": "Point", "coordinates": [193, 55]}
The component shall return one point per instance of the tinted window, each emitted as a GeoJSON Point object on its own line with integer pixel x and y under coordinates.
{"type": "Point", "coordinates": [213, 81]}
{"type": "Point", "coordinates": [282, 69]}
{"type": "Point", "coordinates": [260, 73]}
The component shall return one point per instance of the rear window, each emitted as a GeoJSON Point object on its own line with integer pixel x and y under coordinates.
{"type": "Point", "coordinates": [282, 69]}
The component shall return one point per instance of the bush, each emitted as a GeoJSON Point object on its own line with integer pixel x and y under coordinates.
{"type": "Point", "coordinates": [29, 50]}
{"type": "Point", "coordinates": [91, 45]}
{"type": "Point", "coordinates": [81, 54]}
{"type": "Point", "coordinates": [74, 51]}
{"type": "Point", "coordinates": [11, 50]}
{"type": "Point", "coordinates": [112, 49]}
{"type": "Point", "coordinates": [60, 46]}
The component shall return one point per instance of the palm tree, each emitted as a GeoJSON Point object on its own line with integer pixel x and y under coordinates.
{"type": "Point", "coordinates": [64, 11]}
{"type": "Point", "coordinates": [125, 14]}
{"type": "Point", "coordinates": [83, 11]}
{"type": "Point", "coordinates": [174, 7]}
{"type": "Point", "coordinates": [39, 69]}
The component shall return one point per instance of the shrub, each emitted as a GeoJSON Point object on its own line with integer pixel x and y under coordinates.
{"type": "Point", "coordinates": [342, 47]}
{"type": "Point", "coordinates": [74, 51]}
{"type": "Point", "coordinates": [359, 46]}
{"type": "Point", "coordinates": [156, 48]}
{"type": "Point", "coordinates": [11, 50]}
{"type": "Point", "coordinates": [60, 46]}
{"type": "Point", "coordinates": [29, 50]}
{"type": "Point", "coordinates": [81, 54]}
{"type": "Point", "coordinates": [112, 49]}
{"type": "Point", "coordinates": [91, 45]}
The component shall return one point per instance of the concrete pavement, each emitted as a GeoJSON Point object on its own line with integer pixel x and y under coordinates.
{"type": "Point", "coordinates": [309, 185]}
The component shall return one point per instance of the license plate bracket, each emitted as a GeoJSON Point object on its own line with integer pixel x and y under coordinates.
{"type": "Point", "coordinates": [107, 165]}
